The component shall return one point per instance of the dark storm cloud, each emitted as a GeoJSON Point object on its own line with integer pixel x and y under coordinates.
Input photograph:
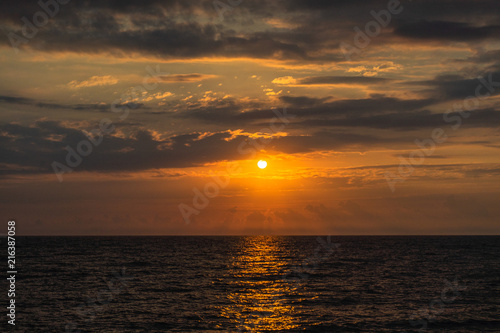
{"type": "Point", "coordinates": [376, 112]}
{"type": "Point", "coordinates": [327, 140]}
{"type": "Point", "coordinates": [77, 107]}
{"type": "Point", "coordinates": [442, 30]}
{"type": "Point", "coordinates": [456, 86]}
{"type": "Point", "coordinates": [486, 57]}
{"type": "Point", "coordinates": [302, 101]}
{"type": "Point", "coordinates": [157, 33]}
{"type": "Point", "coordinates": [32, 149]}
{"type": "Point", "coordinates": [320, 5]}
{"type": "Point", "coordinates": [16, 100]}
{"type": "Point", "coordinates": [21, 8]}
{"type": "Point", "coordinates": [189, 29]}
{"type": "Point", "coordinates": [176, 41]}
{"type": "Point", "coordinates": [340, 80]}
{"type": "Point", "coordinates": [414, 120]}
{"type": "Point", "coordinates": [229, 112]}
{"type": "Point", "coordinates": [39, 145]}
{"type": "Point", "coordinates": [482, 172]}
{"type": "Point", "coordinates": [194, 77]}
{"type": "Point", "coordinates": [356, 107]}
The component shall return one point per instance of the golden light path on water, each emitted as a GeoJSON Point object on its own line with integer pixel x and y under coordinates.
{"type": "Point", "coordinates": [259, 300]}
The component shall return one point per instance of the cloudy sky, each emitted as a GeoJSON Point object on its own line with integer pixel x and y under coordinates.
{"type": "Point", "coordinates": [149, 117]}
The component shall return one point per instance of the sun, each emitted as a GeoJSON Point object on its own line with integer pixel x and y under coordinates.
{"type": "Point", "coordinates": [262, 164]}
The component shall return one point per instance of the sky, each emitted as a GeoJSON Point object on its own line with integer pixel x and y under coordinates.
{"type": "Point", "coordinates": [149, 117]}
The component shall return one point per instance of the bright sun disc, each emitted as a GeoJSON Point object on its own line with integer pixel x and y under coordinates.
{"type": "Point", "coordinates": [262, 164]}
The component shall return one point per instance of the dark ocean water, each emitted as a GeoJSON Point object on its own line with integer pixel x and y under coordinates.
{"type": "Point", "coordinates": [261, 284]}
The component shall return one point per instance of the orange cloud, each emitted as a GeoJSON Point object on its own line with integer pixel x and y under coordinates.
{"type": "Point", "coordinates": [93, 81]}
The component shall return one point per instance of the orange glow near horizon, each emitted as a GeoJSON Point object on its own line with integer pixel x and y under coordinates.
{"type": "Point", "coordinates": [267, 127]}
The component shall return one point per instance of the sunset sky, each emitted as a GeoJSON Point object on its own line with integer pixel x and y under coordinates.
{"type": "Point", "coordinates": [370, 115]}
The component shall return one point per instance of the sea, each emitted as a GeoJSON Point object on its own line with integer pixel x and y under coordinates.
{"type": "Point", "coordinates": [257, 284]}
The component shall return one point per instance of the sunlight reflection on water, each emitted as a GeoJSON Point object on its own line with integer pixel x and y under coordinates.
{"type": "Point", "coordinates": [261, 302]}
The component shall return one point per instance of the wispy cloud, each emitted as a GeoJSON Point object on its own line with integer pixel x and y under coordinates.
{"type": "Point", "coordinates": [327, 80]}
{"type": "Point", "coordinates": [93, 81]}
{"type": "Point", "coordinates": [193, 77]}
